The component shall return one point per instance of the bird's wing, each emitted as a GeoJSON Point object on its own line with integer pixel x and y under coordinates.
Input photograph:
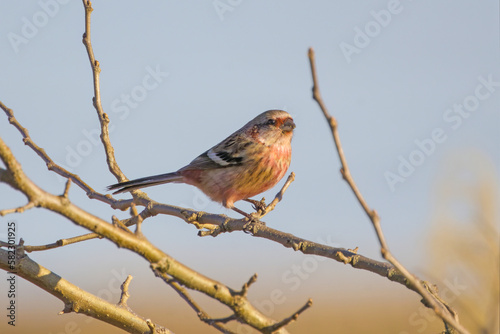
{"type": "Point", "coordinates": [228, 153]}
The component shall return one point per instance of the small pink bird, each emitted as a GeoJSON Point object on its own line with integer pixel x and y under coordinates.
{"type": "Point", "coordinates": [247, 163]}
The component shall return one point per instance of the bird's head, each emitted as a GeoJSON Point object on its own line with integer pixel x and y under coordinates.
{"type": "Point", "coordinates": [272, 127]}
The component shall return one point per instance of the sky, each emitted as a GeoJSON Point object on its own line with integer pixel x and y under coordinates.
{"type": "Point", "coordinates": [412, 84]}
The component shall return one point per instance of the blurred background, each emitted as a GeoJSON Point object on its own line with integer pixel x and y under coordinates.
{"type": "Point", "coordinates": [414, 85]}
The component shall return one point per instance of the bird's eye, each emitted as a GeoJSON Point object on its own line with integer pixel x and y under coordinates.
{"type": "Point", "coordinates": [271, 122]}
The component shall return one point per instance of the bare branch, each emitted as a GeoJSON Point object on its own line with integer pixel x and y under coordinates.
{"type": "Point", "coordinates": [222, 320]}
{"type": "Point", "coordinates": [202, 315]}
{"type": "Point", "coordinates": [66, 188]}
{"type": "Point", "coordinates": [125, 295]}
{"type": "Point", "coordinates": [118, 223]}
{"type": "Point", "coordinates": [74, 298]}
{"type": "Point", "coordinates": [52, 166]}
{"type": "Point", "coordinates": [293, 317]}
{"type": "Point", "coordinates": [80, 238]}
{"type": "Point", "coordinates": [346, 174]}
{"type": "Point", "coordinates": [61, 242]}
{"type": "Point", "coordinates": [20, 209]}
{"type": "Point", "coordinates": [138, 221]}
{"type": "Point", "coordinates": [103, 118]}
{"type": "Point", "coordinates": [246, 286]}
{"type": "Point", "coordinates": [442, 310]}
{"type": "Point", "coordinates": [279, 195]}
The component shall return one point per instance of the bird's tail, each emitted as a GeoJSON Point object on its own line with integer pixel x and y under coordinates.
{"type": "Point", "coordinates": [145, 182]}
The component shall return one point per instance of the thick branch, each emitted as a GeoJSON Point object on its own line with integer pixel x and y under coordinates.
{"type": "Point", "coordinates": [74, 298]}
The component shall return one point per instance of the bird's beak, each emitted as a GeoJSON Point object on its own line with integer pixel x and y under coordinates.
{"type": "Point", "coordinates": [288, 125]}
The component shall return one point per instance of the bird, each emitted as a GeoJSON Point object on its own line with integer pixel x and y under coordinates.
{"type": "Point", "coordinates": [248, 162]}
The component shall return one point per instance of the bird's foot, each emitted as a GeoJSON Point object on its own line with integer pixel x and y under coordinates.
{"type": "Point", "coordinates": [252, 226]}
{"type": "Point", "coordinates": [259, 206]}
{"type": "Point", "coordinates": [253, 222]}
{"type": "Point", "coordinates": [250, 217]}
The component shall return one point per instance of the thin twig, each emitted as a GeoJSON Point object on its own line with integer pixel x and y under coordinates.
{"type": "Point", "coordinates": [224, 320]}
{"type": "Point", "coordinates": [442, 310]}
{"type": "Point", "coordinates": [52, 166]}
{"type": "Point", "coordinates": [138, 222]}
{"type": "Point", "coordinates": [103, 117]}
{"type": "Point", "coordinates": [20, 209]}
{"type": "Point", "coordinates": [80, 238]}
{"type": "Point", "coordinates": [118, 223]}
{"type": "Point", "coordinates": [279, 196]}
{"type": "Point", "coordinates": [61, 242]}
{"type": "Point", "coordinates": [69, 241]}
{"type": "Point", "coordinates": [125, 295]}
{"type": "Point", "coordinates": [202, 315]}
{"type": "Point", "coordinates": [66, 188]}
{"type": "Point", "coordinates": [291, 318]}
{"type": "Point", "coordinates": [246, 286]}
{"type": "Point", "coordinates": [344, 170]}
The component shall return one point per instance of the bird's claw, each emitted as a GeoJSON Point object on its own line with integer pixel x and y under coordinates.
{"type": "Point", "coordinates": [258, 206]}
